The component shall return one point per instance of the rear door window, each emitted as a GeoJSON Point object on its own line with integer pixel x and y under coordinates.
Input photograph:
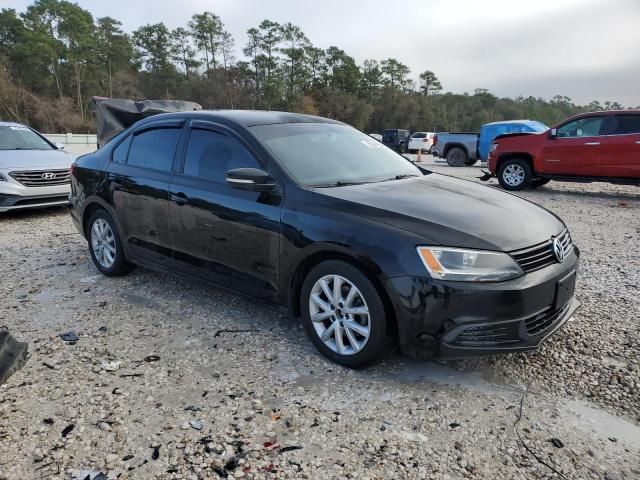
{"type": "Point", "coordinates": [154, 149]}
{"type": "Point", "coordinates": [119, 154]}
{"type": "Point", "coordinates": [210, 155]}
{"type": "Point", "coordinates": [626, 124]}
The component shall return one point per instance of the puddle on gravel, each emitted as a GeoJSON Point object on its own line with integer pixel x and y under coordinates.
{"type": "Point", "coordinates": [602, 423]}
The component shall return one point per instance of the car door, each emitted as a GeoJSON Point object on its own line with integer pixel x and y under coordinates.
{"type": "Point", "coordinates": [621, 147]}
{"type": "Point", "coordinates": [227, 236]}
{"type": "Point", "coordinates": [575, 149]}
{"type": "Point", "coordinates": [139, 174]}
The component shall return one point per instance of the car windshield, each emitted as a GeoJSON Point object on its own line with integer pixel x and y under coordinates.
{"type": "Point", "coordinates": [389, 135]}
{"type": "Point", "coordinates": [323, 154]}
{"type": "Point", "coordinates": [16, 137]}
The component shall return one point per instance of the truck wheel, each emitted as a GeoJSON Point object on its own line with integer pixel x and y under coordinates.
{"type": "Point", "coordinates": [456, 157]}
{"type": "Point", "coordinates": [538, 182]}
{"type": "Point", "coordinates": [471, 162]}
{"type": "Point", "coordinates": [514, 174]}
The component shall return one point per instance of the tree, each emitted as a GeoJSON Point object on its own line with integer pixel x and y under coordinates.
{"type": "Point", "coordinates": [183, 52]}
{"type": "Point", "coordinates": [154, 46]}
{"type": "Point", "coordinates": [395, 72]}
{"type": "Point", "coordinates": [429, 83]}
{"type": "Point", "coordinates": [295, 42]}
{"type": "Point", "coordinates": [114, 50]}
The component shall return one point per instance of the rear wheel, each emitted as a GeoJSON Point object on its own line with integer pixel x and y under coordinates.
{"type": "Point", "coordinates": [514, 174]}
{"type": "Point", "coordinates": [105, 245]}
{"type": "Point", "coordinates": [343, 314]}
{"type": "Point", "coordinates": [456, 157]}
{"type": "Point", "coordinates": [402, 148]}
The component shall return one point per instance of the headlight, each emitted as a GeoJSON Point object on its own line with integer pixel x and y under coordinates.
{"type": "Point", "coordinates": [462, 265]}
{"type": "Point", "coordinates": [493, 147]}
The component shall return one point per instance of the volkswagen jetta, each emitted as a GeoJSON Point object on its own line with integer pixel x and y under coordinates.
{"type": "Point", "coordinates": [310, 214]}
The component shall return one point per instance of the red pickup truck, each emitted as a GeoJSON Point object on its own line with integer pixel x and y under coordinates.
{"type": "Point", "coordinates": [590, 147]}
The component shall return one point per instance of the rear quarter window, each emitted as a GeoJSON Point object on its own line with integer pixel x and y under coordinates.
{"type": "Point", "coordinates": [119, 154]}
{"type": "Point", "coordinates": [154, 149]}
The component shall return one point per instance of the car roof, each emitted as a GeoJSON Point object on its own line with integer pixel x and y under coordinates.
{"type": "Point", "coordinates": [247, 118]}
{"type": "Point", "coordinates": [505, 122]}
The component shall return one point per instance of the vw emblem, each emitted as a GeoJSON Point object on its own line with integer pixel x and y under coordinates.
{"type": "Point", "coordinates": [558, 249]}
{"type": "Point", "coordinates": [49, 175]}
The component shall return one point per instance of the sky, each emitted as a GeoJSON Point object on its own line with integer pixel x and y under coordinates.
{"type": "Point", "coordinates": [585, 49]}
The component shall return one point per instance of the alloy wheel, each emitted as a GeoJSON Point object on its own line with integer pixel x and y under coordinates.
{"type": "Point", "coordinates": [339, 314]}
{"type": "Point", "coordinates": [103, 243]}
{"type": "Point", "coordinates": [513, 175]}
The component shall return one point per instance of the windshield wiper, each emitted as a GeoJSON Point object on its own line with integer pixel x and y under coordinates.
{"type": "Point", "coordinates": [338, 184]}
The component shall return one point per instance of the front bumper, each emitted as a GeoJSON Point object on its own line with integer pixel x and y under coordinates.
{"type": "Point", "coordinates": [457, 320]}
{"type": "Point", "coordinates": [16, 202]}
{"type": "Point", "coordinates": [15, 196]}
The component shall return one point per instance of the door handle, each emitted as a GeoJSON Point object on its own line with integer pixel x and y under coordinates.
{"type": "Point", "coordinates": [179, 198]}
{"type": "Point", "coordinates": [638, 142]}
{"type": "Point", "coordinates": [592, 143]}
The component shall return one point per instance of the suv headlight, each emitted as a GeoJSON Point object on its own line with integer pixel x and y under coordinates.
{"type": "Point", "coordinates": [493, 147]}
{"type": "Point", "coordinates": [457, 264]}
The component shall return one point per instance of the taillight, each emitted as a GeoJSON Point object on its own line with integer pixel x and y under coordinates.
{"type": "Point", "coordinates": [424, 140]}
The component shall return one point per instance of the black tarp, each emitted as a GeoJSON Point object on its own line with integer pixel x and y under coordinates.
{"type": "Point", "coordinates": [114, 115]}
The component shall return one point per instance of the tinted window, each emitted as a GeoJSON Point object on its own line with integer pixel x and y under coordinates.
{"type": "Point", "coordinates": [119, 154]}
{"type": "Point", "coordinates": [209, 155]}
{"type": "Point", "coordinates": [584, 127]}
{"type": "Point", "coordinates": [154, 149]}
{"type": "Point", "coordinates": [389, 135]}
{"type": "Point", "coordinates": [627, 124]}
{"type": "Point", "coordinates": [419, 135]}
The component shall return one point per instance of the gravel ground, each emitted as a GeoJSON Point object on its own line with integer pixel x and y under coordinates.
{"type": "Point", "coordinates": [170, 379]}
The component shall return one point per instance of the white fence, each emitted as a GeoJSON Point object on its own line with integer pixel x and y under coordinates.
{"type": "Point", "coordinates": [78, 143]}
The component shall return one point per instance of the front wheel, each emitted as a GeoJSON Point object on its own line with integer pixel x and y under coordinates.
{"type": "Point", "coordinates": [105, 245]}
{"type": "Point", "coordinates": [514, 174]}
{"type": "Point", "coordinates": [343, 314]}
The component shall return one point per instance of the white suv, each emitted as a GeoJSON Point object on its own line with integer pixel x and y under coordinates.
{"type": "Point", "coordinates": [420, 141]}
{"type": "Point", "coordinates": [33, 171]}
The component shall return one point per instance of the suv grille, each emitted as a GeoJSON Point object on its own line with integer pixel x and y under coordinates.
{"type": "Point", "coordinates": [541, 255]}
{"type": "Point", "coordinates": [42, 178]}
{"type": "Point", "coordinates": [491, 334]}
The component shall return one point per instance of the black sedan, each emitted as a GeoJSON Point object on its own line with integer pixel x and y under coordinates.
{"type": "Point", "coordinates": [310, 214]}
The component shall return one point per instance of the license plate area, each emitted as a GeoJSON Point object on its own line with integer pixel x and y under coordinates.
{"type": "Point", "coordinates": [565, 289]}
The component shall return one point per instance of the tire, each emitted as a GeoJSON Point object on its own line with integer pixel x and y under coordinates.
{"type": "Point", "coordinates": [374, 345]}
{"type": "Point", "coordinates": [456, 157]}
{"type": "Point", "coordinates": [105, 246]}
{"type": "Point", "coordinates": [401, 148]}
{"type": "Point", "coordinates": [514, 174]}
{"type": "Point", "coordinates": [539, 182]}
{"type": "Point", "coordinates": [471, 162]}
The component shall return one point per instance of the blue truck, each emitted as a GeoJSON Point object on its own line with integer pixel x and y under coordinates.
{"type": "Point", "coordinates": [465, 149]}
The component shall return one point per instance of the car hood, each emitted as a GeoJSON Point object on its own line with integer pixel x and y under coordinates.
{"type": "Point", "coordinates": [448, 211]}
{"type": "Point", "coordinates": [35, 159]}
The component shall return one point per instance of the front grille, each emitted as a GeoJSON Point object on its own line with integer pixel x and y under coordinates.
{"type": "Point", "coordinates": [541, 255]}
{"type": "Point", "coordinates": [544, 320]}
{"type": "Point", "coordinates": [492, 334]}
{"type": "Point", "coordinates": [42, 178]}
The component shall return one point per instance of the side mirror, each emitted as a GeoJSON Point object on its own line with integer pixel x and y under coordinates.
{"type": "Point", "coordinates": [59, 146]}
{"type": "Point", "coordinates": [553, 133]}
{"type": "Point", "coordinates": [252, 179]}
